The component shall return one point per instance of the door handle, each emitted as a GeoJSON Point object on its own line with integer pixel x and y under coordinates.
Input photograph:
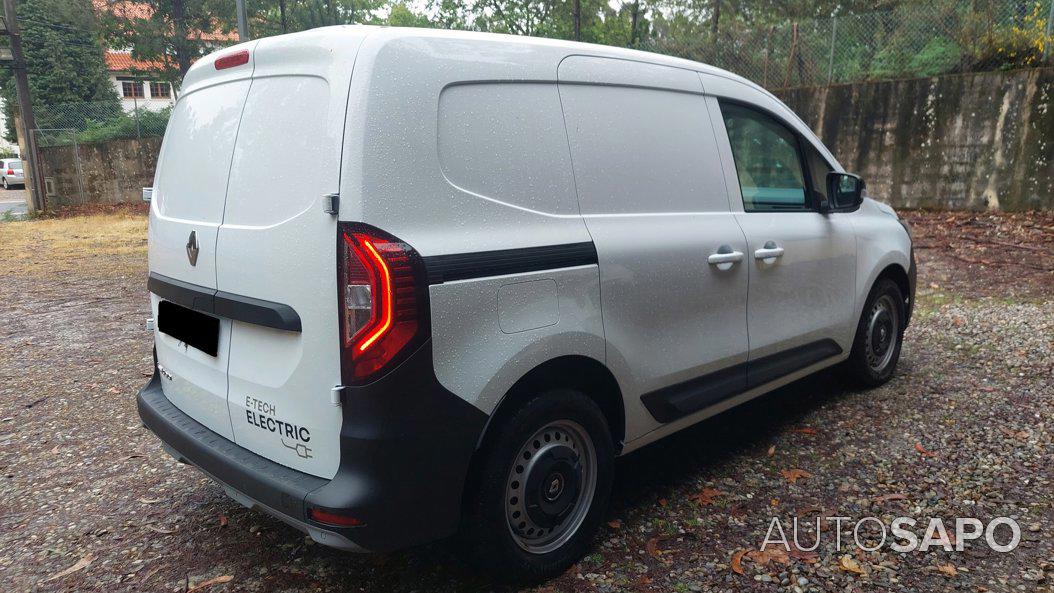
{"type": "Point", "coordinates": [725, 258]}
{"type": "Point", "coordinates": [769, 252]}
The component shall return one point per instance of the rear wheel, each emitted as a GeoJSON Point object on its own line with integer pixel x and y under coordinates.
{"type": "Point", "coordinates": [6, 186]}
{"type": "Point", "coordinates": [543, 484]}
{"type": "Point", "coordinates": [879, 335]}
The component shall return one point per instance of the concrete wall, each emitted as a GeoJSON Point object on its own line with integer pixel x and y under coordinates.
{"type": "Point", "coordinates": [107, 172]}
{"type": "Point", "coordinates": [972, 141]}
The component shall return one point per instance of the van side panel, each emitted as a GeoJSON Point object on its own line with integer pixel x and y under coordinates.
{"type": "Point", "coordinates": [460, 149]}
{"type": "Point", "coordinates": [655, 213]}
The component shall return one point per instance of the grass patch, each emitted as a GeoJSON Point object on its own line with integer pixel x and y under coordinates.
{"type": "Point", "coordinates": [99, 244]}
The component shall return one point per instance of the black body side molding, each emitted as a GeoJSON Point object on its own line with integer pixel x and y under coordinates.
{"type": "Point", "coordinates": [225, 304]}
{"type": "Point", "coordinates": [463, 266]}
{"type": "Point", "coordinates": [676, 401]}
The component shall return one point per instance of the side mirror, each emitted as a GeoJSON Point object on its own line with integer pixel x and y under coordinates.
{"type": "Point", "coordinates": [845, 191]}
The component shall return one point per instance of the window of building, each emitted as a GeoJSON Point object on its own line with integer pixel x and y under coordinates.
{"type": "Point", "coordinates": [160, 90]}
{"type": "Point", "coordinates": [132, 89]}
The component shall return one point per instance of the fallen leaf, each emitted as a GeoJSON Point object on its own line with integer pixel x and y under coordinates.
{"type": "Point", "coordinates": [947, 570]}
{"type": "Point", "coordinates": [80, 565]}
{"type": "Point", "coordinates": [652, 547]}
{"type": "Point", "coordinates": [644, 580]}
{"type": "Point", "coordinates": [737, 561]}
{"type": "Point", "coordinates": [924, 452]}
{"type": "Point", "coordinates": [737, 511]}
{"type": "Point", "coordinates": [889, 497]}
{"type": "Point", "coordinates": [216, 581]}
{"type": "Point", "coordinates": [793, 475]}
{"type": "Point", "coordinates": [805, 431]}
{"type": "Point", "coordinates": [145, 500]}
{"type": "Point", "coordinates": [662, 502]}
{"type": "Point", "coordinates": [849, 565]}
{"type": "Point", "coordinates": [773, 554]}
{"type": "Point", "coordinates": [615, 524]}
{"type": "Point", "coordinates": [223, 520]}
{"type": "Point", "coordinates": [804, 556]}
{"type": "Point", "coordinates": [1021, 435]}
{"type": "Point", "coordinates": [707, 496]}
{"type": "Point", "coordinates": [160, 529]}
{"type": "Point", "coordinates": [772, 450]}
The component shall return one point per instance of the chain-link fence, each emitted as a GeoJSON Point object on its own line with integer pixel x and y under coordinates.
{"type": "Point", "coordinates": [99, 121]}
{"type": "Point", "coordinates": [923, 39]}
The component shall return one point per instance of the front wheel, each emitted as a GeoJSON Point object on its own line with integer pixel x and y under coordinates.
{"type": "Point", "coordinates": [544, 479]}
{"type": "Point", "coordinates": [879, 335]}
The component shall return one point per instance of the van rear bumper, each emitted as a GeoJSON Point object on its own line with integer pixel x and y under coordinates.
{"type": "Point", "coordinates": [406, 445]}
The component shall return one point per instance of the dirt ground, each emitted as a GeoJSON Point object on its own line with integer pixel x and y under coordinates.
{"type": "Point", "coordinates": [89, 502]}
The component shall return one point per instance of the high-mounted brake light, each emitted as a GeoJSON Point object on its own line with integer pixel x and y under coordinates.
{"type": "Point", "coordinates": [231, 60]}
{"type": "Point", "coordinates": [383, 301]}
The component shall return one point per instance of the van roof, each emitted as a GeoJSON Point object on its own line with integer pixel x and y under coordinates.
{"type": "Point", "coordinates": [384, 35]}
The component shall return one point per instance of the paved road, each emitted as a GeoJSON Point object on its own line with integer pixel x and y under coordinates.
{"type": "Point", "coordinates": [14, 201]}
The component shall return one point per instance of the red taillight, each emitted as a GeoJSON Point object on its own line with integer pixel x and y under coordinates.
{"type": "Point", "coordinates": [231, 60]}
{"type": "Point", "coordinates": [383, 301]}
{"type": "Point", "coordinates": [10, 172]}
{"type": "Point", "coordinates": [333, 518]}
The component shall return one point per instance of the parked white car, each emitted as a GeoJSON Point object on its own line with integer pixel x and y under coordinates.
{"type": "Point", "coordinates": [500, 263]}
{"type": "Point", "coordinates": [11, 173]}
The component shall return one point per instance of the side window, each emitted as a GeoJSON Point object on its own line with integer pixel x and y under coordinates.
{"type": "Point", "coordinates": [818, 170]}
{"type": "Point", "coordinates": [769, 166]}
{"type": "Point", "coordinates": [640, 150]}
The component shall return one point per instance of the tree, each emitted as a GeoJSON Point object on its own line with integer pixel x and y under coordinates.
{"type": "Point", "coordinates": [64, 63]}
{"type": "Point", "coordinates": [170, 34]}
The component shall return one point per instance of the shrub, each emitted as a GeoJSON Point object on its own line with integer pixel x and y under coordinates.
{"type": "Point", "coordinates": [151, 123]}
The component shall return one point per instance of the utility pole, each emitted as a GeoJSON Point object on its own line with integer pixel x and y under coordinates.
{"type": "Point", "coordinates": [25, 105]}
{"type": "Point", "coordinates": [243, 22]}
{"type": "Point", "coordinates": [1050, 29]}
{"type": "Point", "coordinates": [578, 20]}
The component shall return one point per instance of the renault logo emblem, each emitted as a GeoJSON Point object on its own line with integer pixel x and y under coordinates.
{"type": "Point", "coordinates": [192, 249]}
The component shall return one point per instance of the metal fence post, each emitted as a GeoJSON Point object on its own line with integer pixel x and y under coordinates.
{"type": "Point", "coordinates": [1050, 32]}
{"type": "Point", "coordinates": [830, 61]}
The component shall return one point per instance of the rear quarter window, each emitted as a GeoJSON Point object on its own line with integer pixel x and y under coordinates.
{"type": "Point", "coordinates": [506, 142]}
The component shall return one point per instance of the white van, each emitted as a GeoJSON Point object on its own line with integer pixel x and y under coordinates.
{"type": "Point", "coordinates": [487, 266]}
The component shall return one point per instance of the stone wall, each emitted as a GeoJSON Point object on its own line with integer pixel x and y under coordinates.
{"type": "Point", "coordinates": [971, 141]}
{"type": "Point", "coordinates": [107, 172]}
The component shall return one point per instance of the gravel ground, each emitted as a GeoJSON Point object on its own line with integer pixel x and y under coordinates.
{"type": "Point", "coordinates": [89, 502]}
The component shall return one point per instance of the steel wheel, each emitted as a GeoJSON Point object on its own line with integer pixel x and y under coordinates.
{"type": "Point", "coordinates": [883, 331]}
{"type": "Point", "coordinates": [550, 486]}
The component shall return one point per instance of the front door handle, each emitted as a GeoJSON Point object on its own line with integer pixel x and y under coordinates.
{"type": "Point", "coordinates": [725, 258]}
{"type": "Point", "coordinates": [769, 252]}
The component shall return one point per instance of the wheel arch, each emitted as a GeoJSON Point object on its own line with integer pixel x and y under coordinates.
{"type": "Point", "coordinates": [899, 276]}
{"type": "Point", "coordinates": [583, 373]}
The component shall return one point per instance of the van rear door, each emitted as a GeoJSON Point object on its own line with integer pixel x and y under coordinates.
{"type": "Point", "coordinates": [186, 212]}
{"type": "Point", "coordinates": [278, 245]}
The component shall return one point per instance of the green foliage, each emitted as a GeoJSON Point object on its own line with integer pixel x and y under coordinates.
{"type": "Point", "coordinates": [64, 59]}
{"type": "Point", "coordinates": [172, 34]}
{"type": "Point", "coordinates": [150, 123]}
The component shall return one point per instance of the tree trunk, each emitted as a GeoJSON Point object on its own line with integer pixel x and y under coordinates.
{"type": "Point", "coordinates": [634, 18]}
{"type": "Point", "coordinates": [180, 41]}
{"type": "Point", "coordinates": [281, 14]}
{"type": "Point", "coordinates": [578, 20]}
{"type": "Point", "coordinates": [716, 18]}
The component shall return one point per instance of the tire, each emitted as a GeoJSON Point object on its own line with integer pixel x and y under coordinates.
{"type": "Point", "coordinates": [536, 468]}
{"type": "Point", "coordinates": [6, 186]}
{"type": "Point", "coordinates": [879, 336]}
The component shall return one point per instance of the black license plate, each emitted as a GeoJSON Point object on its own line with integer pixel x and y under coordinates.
{"type": "Point", "coordinates": [195, 329]}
